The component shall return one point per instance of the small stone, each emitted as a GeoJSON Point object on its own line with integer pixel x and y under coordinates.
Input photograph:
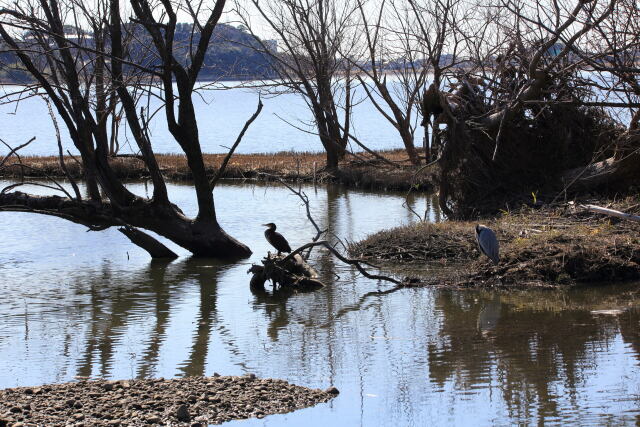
{"type": "Point", "coordinates": [28, 391]}
{"type": "Point", "coordinates": [77, 405]}
{"type": "Point", "coordinates": [79, 417]}
{"type": "Point", "coordinates": [332, 390]}
{"type": "Point", "coordinates": [15, 410]}
{"type": "Point", "coordinates": [107, 386]}
{"type": "Point", "coordinates": [182, 414]}
{"type": "Point", "coordinates": [216, 375]}
{"type": "Point", "coordinates": [114, 423]}
{"type": "Point", "coordinates": [153, 419]}
{"type": "Point", "coordinates": [251, 376]}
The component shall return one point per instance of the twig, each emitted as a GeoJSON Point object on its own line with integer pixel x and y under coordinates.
{"type": "Point", "coordinates": [13, 151]}
{"type": "Point", "coordinates": [342, 258]}
{"type": "Point", "coordinates": [223, 166]}
{"type": "Point", "coordinates": [611, 212]}
{"type": "Point", "coordinates": [63, 166]}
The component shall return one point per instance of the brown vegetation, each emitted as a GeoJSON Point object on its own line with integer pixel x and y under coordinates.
{"type": "Point", "coordinates": [539, 248]}
{"type": "Point", "coordinates": [363, 171]}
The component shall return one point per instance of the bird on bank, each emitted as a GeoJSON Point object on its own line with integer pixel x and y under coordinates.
{"type": "Point", "coordinates": [276, 239]}
{"type": "Point", "coordinates": [488, 243]}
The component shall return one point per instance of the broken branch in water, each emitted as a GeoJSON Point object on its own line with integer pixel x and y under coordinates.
{"type": "Point", "coordinates": [356, 263]}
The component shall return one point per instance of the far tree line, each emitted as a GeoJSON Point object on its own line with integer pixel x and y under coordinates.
{"type": "Point", "coordinates": [516, 95]}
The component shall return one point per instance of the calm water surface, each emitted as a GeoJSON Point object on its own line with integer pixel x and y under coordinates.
{"type": "Point", "coordinates": [221, 115]}
{"type": "Point", "coordinates": [90, 304]}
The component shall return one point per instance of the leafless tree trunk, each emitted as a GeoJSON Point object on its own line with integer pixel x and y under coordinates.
{"type": "Point", "coordinates": [69, 63]}
{"type": "Point", "coordinates": [311, 38]}
{"type": "Point", "coordinates": [391, 49]}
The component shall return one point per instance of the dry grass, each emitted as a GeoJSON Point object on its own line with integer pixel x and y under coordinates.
{"type": "Point", "coordinates": [370, 173]}
{"type": "Point", "coordinates": [539, 248]}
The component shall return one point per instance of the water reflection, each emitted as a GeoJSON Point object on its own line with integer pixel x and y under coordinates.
{"type": "Point", "coordinates": [540, 360]}
{"type": "Point", "coordinates": [75, 305]}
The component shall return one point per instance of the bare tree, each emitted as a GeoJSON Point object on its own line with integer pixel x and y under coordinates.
{"type": "Point", "coordinates": [311, 38]}
{"type": "Point", "coordinates": [65, 65]}
{"type": "Point", "coordinates": [391, 49]}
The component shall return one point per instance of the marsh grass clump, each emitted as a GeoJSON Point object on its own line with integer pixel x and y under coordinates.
{"type": "Point", "coordinates": [421, 241]}
{"type": "Point", "coordinates": [547, 247]}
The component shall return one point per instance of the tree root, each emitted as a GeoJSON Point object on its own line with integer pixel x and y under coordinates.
{"type": "Point", "coordinates": [285, 272]}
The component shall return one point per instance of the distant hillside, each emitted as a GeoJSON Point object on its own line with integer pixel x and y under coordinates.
{"type": "Point", "coordinates": [230, 55]}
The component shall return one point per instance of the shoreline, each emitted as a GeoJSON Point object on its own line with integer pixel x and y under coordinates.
{"type": "Point", "coordinates": [364, 172]}
{"type": "Point", "coordinates": [188, 401]}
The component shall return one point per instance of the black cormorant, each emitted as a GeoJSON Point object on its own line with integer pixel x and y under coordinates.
{"type": "Point", "coordinates": [276, 239]}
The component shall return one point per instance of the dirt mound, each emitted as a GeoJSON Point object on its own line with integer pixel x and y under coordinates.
{"type": "Point", "coordinates": [539, 248]}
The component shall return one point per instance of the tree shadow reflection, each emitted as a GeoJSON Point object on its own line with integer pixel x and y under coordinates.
{"type": "Point", "coordinates": [532, 352]}
{"type": "Point", "coordinates": [146, 299]}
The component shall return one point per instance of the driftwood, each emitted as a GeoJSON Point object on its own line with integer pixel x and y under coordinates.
{"type": "Point", "coordinates": [291, 272]}
{"type": "Point", "coordinates": [611, 212]}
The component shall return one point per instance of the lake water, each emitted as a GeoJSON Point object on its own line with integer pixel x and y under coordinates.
{"type": "Point", "coordinates": [77, 303]}
{"type": "Point", "coordinates": [221, 115]}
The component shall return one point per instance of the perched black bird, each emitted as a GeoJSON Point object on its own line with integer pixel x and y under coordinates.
{"type": "Point", "coordinates": [488, 243]}
{"type": "Point", "coordinates": [276, 239]}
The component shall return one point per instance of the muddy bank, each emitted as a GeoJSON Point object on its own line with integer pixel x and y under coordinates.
{"type": "Point", "coordinates": [365, 172]}
{"type": "Point", "coordinates": [191, 401]}
{"type": "Point", "coordinates": [547, 247]}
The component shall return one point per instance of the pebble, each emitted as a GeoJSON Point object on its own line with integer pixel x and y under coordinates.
{"type": "Point", "coordinates": [196, 401]}
{"type": "Point", "coordinates": [154, 419]}
{"type": "Point", "coordinates": [182, 414]}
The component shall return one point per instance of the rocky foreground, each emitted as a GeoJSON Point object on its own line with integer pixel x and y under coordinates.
{"type": "Point", "coordinates": [191, 401]}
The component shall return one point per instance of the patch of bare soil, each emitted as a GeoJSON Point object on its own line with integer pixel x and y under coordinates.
{"type": "Point", "coordinates": [191, 401]}
{"type": "Point", "coordinates": [547, 247]}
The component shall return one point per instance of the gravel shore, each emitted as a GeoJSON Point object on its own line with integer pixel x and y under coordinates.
{"type": "Point", "coordinates": [191, 401]}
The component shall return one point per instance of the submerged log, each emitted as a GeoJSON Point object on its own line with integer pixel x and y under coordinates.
{"type": "Point", "coordinates": [290, 272]}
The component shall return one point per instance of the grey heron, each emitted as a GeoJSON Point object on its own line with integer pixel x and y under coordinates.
{"type": "Point", "coordinates": [276, 239]}
{"type": "Point", "coordinates": [488, 243]}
